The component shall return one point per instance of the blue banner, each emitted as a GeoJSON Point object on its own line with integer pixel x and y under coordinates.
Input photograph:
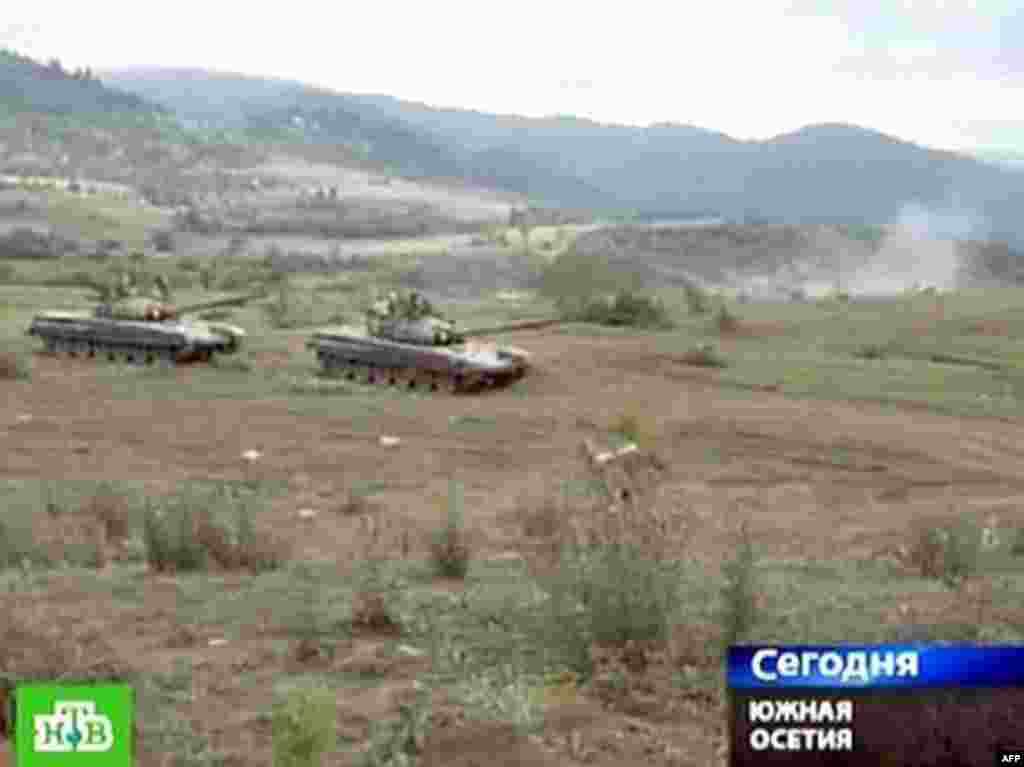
{"type": "Point", "coordinates": [881, 667]}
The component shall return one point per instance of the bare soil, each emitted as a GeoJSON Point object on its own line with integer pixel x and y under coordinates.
{"type": "Point", "coordinates": [819, 479]}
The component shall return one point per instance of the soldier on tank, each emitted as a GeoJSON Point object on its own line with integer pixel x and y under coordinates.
{"type": "Point", "coordinates": [161, 289]}
{"type": "Point", "coordinates": [126, 287]}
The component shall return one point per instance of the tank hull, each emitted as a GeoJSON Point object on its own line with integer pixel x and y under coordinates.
{"type": "Point", "coordinates": [358, 355]}
{"type": "Point", "coordinates": [135, 341]}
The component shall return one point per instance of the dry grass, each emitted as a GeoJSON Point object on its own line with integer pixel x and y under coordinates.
{"type": "Point", "coordinates": [110, 510]}
{"type": "Point", "coordinates": [725, 321]}
{"type": "Point", "coordinates": [11, 366]}
{"type": "Point", "coordinates": [703, 356]}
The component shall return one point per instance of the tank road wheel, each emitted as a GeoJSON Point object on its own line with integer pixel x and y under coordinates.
{"type": "Point", "coordinates": [50, 345]}
{"type": "Point", "coordinates": [405, 379]}
{"type": "Point", "coordinates": [111, 354]}
{"type": "Point", "coordinates": [130, 356]}
{"type": "Point", "coordinates": [370, 375]}
{"type": "Point", "coordinates": [334, 366]}
{"type": "Point", "coordinates": [445, 384]}
{"type": "Point", "coordinates": [63, 347]}
{"type": "Point", "coordinates": [204, 356]}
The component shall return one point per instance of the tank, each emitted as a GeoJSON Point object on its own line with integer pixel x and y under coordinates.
{"type": "Point", "coordinates": [140, 330]}
{"type": "Point", "coordinates": [418, 349]}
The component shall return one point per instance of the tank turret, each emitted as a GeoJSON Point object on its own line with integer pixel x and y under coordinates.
{"type": "Point", "coordinates": [406, 341]}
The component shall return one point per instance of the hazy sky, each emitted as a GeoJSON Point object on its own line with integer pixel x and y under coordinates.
{"type": "Point", "coordinates": [946, 74]}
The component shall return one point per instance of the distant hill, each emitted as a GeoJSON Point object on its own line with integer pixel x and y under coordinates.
{"type": "Point", "coordinates": [29, 86]}
{"type": "Point", "coordinates": [1007, 158]}
{"type": "Point", "coordinates": [830, 172]}
{"type": "Point", "coordinates": [279, 108]}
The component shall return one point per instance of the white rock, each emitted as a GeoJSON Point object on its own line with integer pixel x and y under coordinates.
{"type": "Point", "coordinates": [252, 455]}
{"type": "Point", "coordinates": [414, 652]}
{"type": "Point", "coordinates": [217, 642]}
{"type": "Point", "coordinates": [389, 441]}
{"type": "Point", "coordinates": [308, 513]}
{"type": "Point", "coordinates": [24, 418]}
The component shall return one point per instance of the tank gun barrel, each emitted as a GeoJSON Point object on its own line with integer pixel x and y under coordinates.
{"type": "Point", "coordinates": [526, 325]}
{"type": "Point", "coordinates": [220, 302]}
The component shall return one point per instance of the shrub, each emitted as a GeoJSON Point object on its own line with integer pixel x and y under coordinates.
{"type": "Point", "coordinates": [450, 550]}
{"type": "Point", "coordinates": [24, 242]}
{"type": "Point", "coordinates": [573, 279]}
{"type": "Point", "coordinates": [609, 569]}
{"type": "Point", "coordinates": [704, 356]}
{"type": "Point", "coordinates": [401, 742]}
{"type": "Point", "coordinates": [871, 352]}
{"type": "Point", "coordinates": [171, 538]}
{"type": "Point", "coordinates": [12, 366]}
{"type": "Point", "coordinates": [696, 298]}
{"type": "Point", "coordinates": [738, 591]}
{"type": "Point", "coordinates": [111, 511]}
{"type": "Point", "coordinates": [181, 534]}
{"type": "Point", "coordinates": [190, 264]}
{"type": "Point", "coordinates": [303, 726]}
{"type": "Point", "coordinates": [163, 242]}
{"type": "Point", "coordinates": [1017, 547]}
{"type": "Point", "coordinates": [726, 321]}
{"type": "Point", "coordinates": [623, 309]}
{"type": "Point", "coordinates": [948, 553]}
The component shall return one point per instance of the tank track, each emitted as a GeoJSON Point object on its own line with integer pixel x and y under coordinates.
{"type": "Point", "coordinates": [412, 378]}
{"type": "Point", "coordinates": [167, 351]}
{"type": "Point", "coordinates": [124, 353]}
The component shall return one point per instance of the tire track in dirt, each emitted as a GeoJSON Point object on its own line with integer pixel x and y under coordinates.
{"type": "Point", "coordinates": [804, 463]}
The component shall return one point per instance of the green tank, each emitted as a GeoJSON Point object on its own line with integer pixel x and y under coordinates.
{"type": "Point", "coordinates": [407, 343]}
{"type": "Point", "coordinates": [140, 330]}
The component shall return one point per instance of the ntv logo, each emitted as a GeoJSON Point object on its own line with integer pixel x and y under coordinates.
{"type": "Point", "coordinates": [85, 724]}
{"type": "Point", "coordinates": [73, 726]}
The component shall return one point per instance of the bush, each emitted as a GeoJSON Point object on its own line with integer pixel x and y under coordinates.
{"type": "Point", "coordinates": [738, 591]}
{"type": "Point", "coordinates": [303, 726]}
{"type": "Point", "coordinates": [1017, 547]}
{"type": "Point", "coordinates": [27, 243]}
{"type": "Point", "coordinates": [609, 570]}
{"type": "Point", "coordinates": [401, 742]}
{"type": "Point", "coordinates": [948, 553]}
{"type": "Point", "coordinates": [163, 242]}
{"type": "Point", "coordinates": [12, 367]}
{"type": "Point", "coordinates": [696, 298]}
{"type": "Point", "coordinates": [450, 550]}
{"type": "Point", "coordinates": [871, 352]}
{"type": "Point", "coordinates": [574, 279]}
{"type": "Point", "coordinates": [623, 309]}
{"type": "Point", "coordinates": [726, 321]}
{"type": "Point", "coordinates": [704, 356]}
{"type": "Point", "coordinates": [181, 534]}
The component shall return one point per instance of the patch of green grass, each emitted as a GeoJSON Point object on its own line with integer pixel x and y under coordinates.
{"type": "Point", "coordinates": [304, 726]}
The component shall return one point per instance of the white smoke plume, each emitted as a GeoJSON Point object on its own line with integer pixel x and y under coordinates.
{"type": "Point", "coordinates": [919, 250]}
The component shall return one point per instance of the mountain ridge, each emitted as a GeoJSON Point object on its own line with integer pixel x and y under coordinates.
{"type": "Point", "coordinates": [822, 172]}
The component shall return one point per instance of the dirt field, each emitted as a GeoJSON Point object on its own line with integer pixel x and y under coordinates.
{"type": "Point", "coordinates": [830, 490]}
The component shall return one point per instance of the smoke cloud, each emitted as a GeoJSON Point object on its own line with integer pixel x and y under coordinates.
{"type": "Point", "coordinates": [919, 250]}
